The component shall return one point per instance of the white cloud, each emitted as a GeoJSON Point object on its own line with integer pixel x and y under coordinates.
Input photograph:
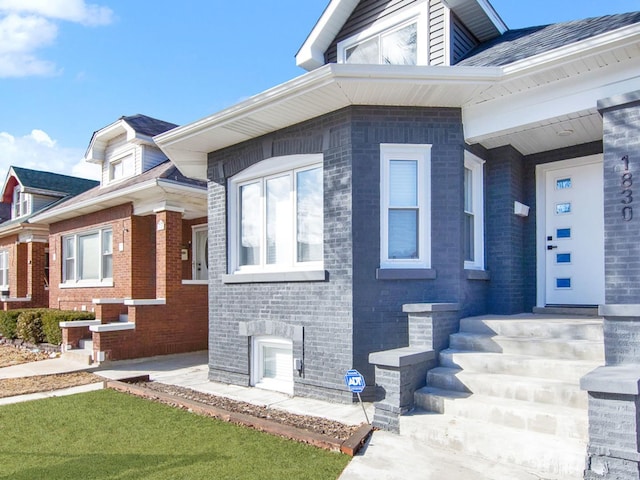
{"type": "Point", "coordinates": [39, 151]}
{"type": "Point", "coordinates": [27, 26]}
{"type": "Point", "coordinates": [76, 11]}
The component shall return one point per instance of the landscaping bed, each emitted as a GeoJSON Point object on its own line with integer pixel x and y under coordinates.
{"type": "Point", "coordinates": [13, 355]}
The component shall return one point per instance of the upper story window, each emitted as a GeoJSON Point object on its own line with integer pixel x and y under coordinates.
{"type": "Point", "coordinates": [473, 232]}
{"type": "Point", "coordinates": [21, 202]}
{"type": "Point", "coordinates": [399, 40]}
{"type": "Point", "coordinates": [4, 269]}
{"type": "Point", "coordinates": [121, 167]}
{"type": "Point", "coordinates": [276, 211]}
{"type": "Point", "coordinates": [405, 210]}
{"type": "Point", "coordinates": [88, 257]}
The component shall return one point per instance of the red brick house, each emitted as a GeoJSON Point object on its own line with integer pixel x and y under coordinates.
{"type": "Point", "coordinates": [24, 252]}
{"type": "Point", "coordinates": [133, 250]}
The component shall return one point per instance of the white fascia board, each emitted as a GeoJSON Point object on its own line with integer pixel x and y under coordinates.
{"type": "Point", "coordinates": [311, 53]}
{"type": "Point", "coordinates": [491, 13]}
{"type": "Point", "coordinates": [99, 140]}
{"type": "Point", "coordinates": [187, 147]}
{"type": "Point", "coordinates": [564, 97]}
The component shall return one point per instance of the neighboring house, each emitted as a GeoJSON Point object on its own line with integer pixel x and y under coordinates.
{"type": "Point", "coordinates": [24, 252]}
{"type": "Point", "coordinates": [429, 156]}
{"type": "Point", "coordinates": [133, 249]}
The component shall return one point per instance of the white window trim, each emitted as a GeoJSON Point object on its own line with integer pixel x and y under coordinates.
{"type": "Point", "coordinates": [5, 286]}
{"type": "Point", "coordinates": [422, 154]}
{"type": "Point", "coordinates": [121, 158]}
{"type": "Point", "coordinates": [75, 283]}
{"type": "Point", "coordinates": [476, 165]}
{"type": "Point", "coordinates": [20, 199]}
{"type": "Point", "coordinates": [266, 168]}
{"type": "Point", "coordinates": [418, 14]}
{"type": "Point", "coordinates": [257, 380]}
{"type": "Point", "coordinates": [194, 254]}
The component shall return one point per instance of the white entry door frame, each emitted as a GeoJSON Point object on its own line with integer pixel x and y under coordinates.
{"type": "Point", "coordinates": [569, 205]}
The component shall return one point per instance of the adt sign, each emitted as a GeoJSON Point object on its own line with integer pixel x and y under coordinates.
{"type": "Point", "coordinates": [355, 381]}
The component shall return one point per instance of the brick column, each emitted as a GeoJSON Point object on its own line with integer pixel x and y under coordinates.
{"type": "Point", "coordinates": [18, 271]}
{"type": "Point", "coordinates": [168, 260]}
{"type": "Point", "coordinates": [614, 389]}
{"type": "Point", "coordinates": [35, 283]}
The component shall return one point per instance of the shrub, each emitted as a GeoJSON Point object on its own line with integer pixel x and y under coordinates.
{"type": "Point", "coordinates": [51, 319]}
{"type": "Point", "coordinates": [8, 323]}
{"type": "Point", "coordinates": [29, 327]}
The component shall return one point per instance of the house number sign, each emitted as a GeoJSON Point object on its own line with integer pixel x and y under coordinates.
{"type": "Point", "coordinates": [627, 194]}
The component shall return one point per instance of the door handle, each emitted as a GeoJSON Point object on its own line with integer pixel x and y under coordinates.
{"type": "Point", "coordinates": [551, 247]}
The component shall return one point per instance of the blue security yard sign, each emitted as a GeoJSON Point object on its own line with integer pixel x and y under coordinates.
{"type": "Point", "coordinates": [355, 381]}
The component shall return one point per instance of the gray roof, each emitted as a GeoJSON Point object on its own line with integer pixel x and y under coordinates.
{"type": "Point", "coordinates": [523, 43]}
{"type": "Point", "coordinates": [166, 170]}
{"type": "Point", "coordinates": [53, 182]}
{"type": "Point", "coordinates": [148, 125]}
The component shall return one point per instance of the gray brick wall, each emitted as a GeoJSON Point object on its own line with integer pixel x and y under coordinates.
{"type": "Point", "coordinates": [504, 173]}
{"type": "Point", "coordinates": [352, 313]}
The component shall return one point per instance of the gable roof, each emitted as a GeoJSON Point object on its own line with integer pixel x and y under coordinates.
{"type": "Point", "coordinates": [45, 183]}
{"type": "Point", "coordinates": [139, 128]}
{"type": "Point", "coordinates": [515, 45]}
{"type": "Point", "coordinates": [146, 125]}
{"type": "Point", "coordinates": [52, 182]}
{"type": "Point", "coordinates": [478, 15]}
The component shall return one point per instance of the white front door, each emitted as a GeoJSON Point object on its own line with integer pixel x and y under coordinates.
{"type": "Point", "coordinates": [572, 243]}
{"type": "Point", "coordinates": [200, 253]}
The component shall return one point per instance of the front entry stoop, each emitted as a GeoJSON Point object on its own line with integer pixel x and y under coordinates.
{"type": "Point", "coordinates": [508, 390]}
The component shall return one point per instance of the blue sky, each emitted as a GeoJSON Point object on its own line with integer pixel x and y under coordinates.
{"type": "Point", "coordinates": [70, 67]}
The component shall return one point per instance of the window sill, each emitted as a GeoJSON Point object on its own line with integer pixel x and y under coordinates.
{"type": "Point", "coordinates": [405, 274]}
{"type": "Point", "coordinates": [195, 282]}
{"type": "Point", "coordinates": [139, 302]}
{"type": "Point", "coordinates": [276, 277]}
{"type": "Point", "coordinates": [87, 284]}
{"type": "Point", "coordinates": [477, 274]}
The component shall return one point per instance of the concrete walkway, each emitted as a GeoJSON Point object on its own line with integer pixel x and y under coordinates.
{"type": "Point", "coordinates": [386, 457]}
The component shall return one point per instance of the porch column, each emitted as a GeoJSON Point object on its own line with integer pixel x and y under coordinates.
{"type": "Point", "coordinates": [36, 274]}
{"type": "Point", "coordinates": [614, 389]}
{"type": "Point", "coordinates": [18, 272]}
{"type": "Point", "coordinates": [168, 246]}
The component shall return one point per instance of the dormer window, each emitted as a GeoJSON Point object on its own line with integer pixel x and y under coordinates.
{"type": "Point", "coordinates": [121, 167]}
{"type": "Point", "coordinates": [21, 202]}
{"type": "Point", "coordinates": [398, 40]}
{"type": "Point", "coordinates": [398, 47]}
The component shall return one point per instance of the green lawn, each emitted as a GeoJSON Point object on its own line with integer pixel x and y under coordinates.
{"type": "Point", "coordinates": [111, 435]}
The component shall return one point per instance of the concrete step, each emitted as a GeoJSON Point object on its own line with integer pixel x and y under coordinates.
{"type": "Point", "coordinates": [86, 345]}
{"type": "Point", "coordinates": [530, 416]}
{"type": "Point", "coordinates": [546, 391]}
{"type": "Point", "coordinates": [548, 456]}
{"type": "Point", "coordinates": [521, 365]}
{"type": "Point", "coordinates": [536, 326]}
{"type": "Point", "coordinates": [78, 355]}
{"type": "Point", "coordinates": [559, 348]}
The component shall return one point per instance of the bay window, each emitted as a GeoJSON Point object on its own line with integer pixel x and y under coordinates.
{"type": "Point", "coordinates": [88, 257]}
{"type": "Point", "coordinates": [277, 220]}
{"type": "Point", "coordinates": [405, 212]}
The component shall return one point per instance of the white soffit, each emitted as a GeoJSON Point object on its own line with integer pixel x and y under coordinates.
{"type": "Point", "coordinates": [495, 100]}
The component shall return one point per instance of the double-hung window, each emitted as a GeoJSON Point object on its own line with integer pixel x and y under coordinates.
{"type": "Point", "coordinates": [88, 257]}
{"type": "Point", "coordinates": [473, 232]}
{"type": "Point", "coordinates": [405, 210]}
{"type": "Point", "coordinates": [277, 215]}
{"type": "Point", "coordinates": [4, 269]}
{"type": "Point", "coordinates": [21, 202]}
